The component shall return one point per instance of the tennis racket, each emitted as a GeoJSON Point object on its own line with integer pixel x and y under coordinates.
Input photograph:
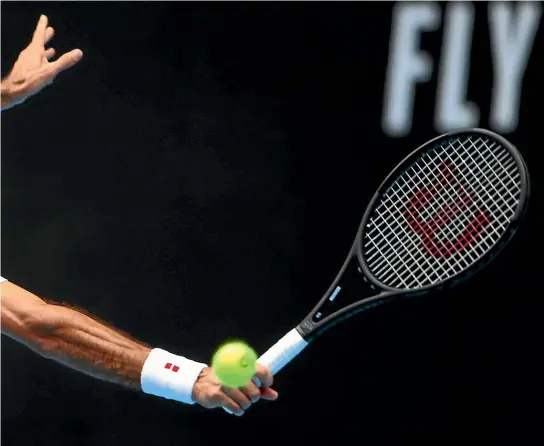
{"type": "Point", "coordinates": [440, 216]}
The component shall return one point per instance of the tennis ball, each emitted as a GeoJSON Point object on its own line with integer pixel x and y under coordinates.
{"type": "Point", "coordinates": [234, 364]}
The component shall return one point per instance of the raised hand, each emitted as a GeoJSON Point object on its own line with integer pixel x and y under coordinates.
{"type": "Point", "coordinates": [34, 68]}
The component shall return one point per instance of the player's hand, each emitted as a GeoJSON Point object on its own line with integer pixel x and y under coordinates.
{"type": "Point", "coordinates": [210, 393]}
{"type": "Point", "coordinates": [34, 68]}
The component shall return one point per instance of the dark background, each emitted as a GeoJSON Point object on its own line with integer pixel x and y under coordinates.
{"type": "Point", "coordinates": [200, 176]}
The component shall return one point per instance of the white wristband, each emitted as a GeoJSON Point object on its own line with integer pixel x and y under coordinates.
{"type": "Point", "coordinates": [170, 376]}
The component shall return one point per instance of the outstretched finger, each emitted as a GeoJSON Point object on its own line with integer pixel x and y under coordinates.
{"type": "Point", "coordinates": [39, 33]}
{"type": "Point", "coordinates": [49, 53]}
{"type": "Point", "coordinates": [49, 33]}
{"type": "Point", "coordinates": [64, 62]}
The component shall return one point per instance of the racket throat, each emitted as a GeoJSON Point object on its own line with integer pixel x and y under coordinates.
{"type": "Point", "coordinates": [345, 290]}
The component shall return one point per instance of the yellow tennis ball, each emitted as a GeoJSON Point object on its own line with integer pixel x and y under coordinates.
{"type": "Point", "coordinates": [234, 364]}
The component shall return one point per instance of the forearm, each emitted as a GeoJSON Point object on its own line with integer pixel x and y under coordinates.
{"type": "Point", "coordinates": [91, 347]}
{"type": "Point", "coordinates": [71, 337]}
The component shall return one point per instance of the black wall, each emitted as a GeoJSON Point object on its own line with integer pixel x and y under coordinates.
{"type": "Point", "coordinates": [200, 175]}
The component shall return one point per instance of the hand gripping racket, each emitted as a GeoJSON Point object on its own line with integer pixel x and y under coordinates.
{"type": "Point", "coordinates": [441, 215]}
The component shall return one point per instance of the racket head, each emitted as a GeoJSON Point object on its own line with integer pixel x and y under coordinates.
{"type": "Point", "coordinates": [472, 177]}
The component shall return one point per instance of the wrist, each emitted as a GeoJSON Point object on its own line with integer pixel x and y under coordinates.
{"type": "Point", "coordinates": [11, 92]}
{"type": "Point", "coordinates": [170, 376]}
{"type": "Point", "coordinates": [6, 95]}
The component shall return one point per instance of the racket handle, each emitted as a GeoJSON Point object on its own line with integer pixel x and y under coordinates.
{"type": "Point", "coordinates": [282, 352]}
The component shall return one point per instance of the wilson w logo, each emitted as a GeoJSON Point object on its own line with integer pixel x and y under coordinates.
{"type": "Point", "coordinates": [446, 180]}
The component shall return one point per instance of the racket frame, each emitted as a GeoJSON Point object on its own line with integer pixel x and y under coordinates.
{"type": "Point", "coordinates": [309, 329]}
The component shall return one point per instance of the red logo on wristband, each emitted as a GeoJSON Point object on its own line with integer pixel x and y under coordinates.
{"type": "Point", "coordinates": [168, 366]}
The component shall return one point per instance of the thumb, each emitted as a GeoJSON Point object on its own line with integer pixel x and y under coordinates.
{"type": "Point", "coordinates": [65, 61]}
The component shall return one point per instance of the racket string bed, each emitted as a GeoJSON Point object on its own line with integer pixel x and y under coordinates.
{"type": "Point", "coordinates": [420, 251]}
{"type": "Point", "coordinates": [461, 196]}
{"type": "Point", "coordinates": [430, 210]}
{"type": "Point", "coordinates": [458, 225]}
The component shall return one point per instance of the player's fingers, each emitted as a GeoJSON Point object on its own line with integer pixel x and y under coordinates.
{"type": "Point", "coordinates": [39, 33]}
{"type": "Point", "coordinates": [269, 394]}
{"type": "Point", "coordinates": [230, 406]}
{"type": "Point", "coordinates": [49, 53]}
{"type": "Point", "coordinates": [49, 33]}
{"type": "Point", "coordinates": [264, 375]}
{"type": "Point", "coordinates": [237, 395]}
{"type": "Point", "coordinates": [65, 61]}
{"type": "Point", "coordinates": [251, 391]}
